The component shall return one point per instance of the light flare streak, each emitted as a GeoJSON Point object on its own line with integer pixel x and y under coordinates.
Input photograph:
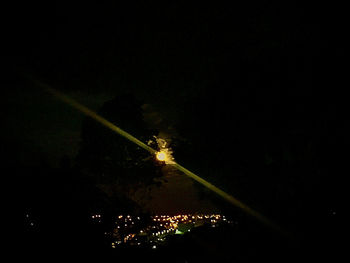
{"type": "Point", "coordinates": [96, 117]}
{"type": "Point", "coordinates": [131, 138]}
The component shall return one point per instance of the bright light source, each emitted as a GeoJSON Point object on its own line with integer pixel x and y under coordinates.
{"type": "Point", "coordinates": [161, 156]}
{"type": "Point", "coordinates": [165, 153]}
{"type": "Point", "coordinates": [162, 145]}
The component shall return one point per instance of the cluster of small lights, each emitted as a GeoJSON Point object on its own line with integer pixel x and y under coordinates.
{"type": "Point", "coordinates": [131, 230]}
{"type": "Point", "coordinates": [29, 220]}
{"type": "Point", "coordinates": [126, 221]}
{"type": "Point", "coordinates": [97, 218]}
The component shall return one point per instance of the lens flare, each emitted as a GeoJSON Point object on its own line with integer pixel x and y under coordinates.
{"type": "Point", "coordinates": [164, 154]}
{"type": "Point", "coordinates": [95, 116]}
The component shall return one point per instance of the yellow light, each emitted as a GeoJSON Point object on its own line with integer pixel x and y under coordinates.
{"type": "Point", "coordinates": [161, 156]}
{"type": "Point", "coordinates": [165, 153]}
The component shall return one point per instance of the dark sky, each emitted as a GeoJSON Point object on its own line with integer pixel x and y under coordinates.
{"type": "Point", "coordinates": [164, 55]}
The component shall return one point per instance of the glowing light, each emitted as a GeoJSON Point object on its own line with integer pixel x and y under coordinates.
{"type": "Point", "coordinates": [161, 156]}
{"type": "Point", "coordinates": [162, 145]}
{"type": "Point", "coordinates": [165, 154]}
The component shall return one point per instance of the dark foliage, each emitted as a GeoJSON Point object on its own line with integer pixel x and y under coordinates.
{"type": "Point", "coordinates": [110, 158]}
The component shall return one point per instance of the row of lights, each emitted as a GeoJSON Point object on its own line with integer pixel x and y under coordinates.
{"type": "Point", "coordinates": [165, 225]}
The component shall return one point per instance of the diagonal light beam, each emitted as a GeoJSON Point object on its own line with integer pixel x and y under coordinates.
{"type": "Point", "coordinates": [61, 96]}
{"type": "Point", "coordinates": [234, 201]}
{"type": "Point", "coordinates": [96, 117]}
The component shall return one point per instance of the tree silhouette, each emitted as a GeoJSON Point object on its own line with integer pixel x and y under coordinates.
{"type": "Point", "coordinates": [109, 158]}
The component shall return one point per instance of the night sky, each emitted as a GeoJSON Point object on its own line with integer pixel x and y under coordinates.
{"type": "Point", "coordinates": [251, 95]}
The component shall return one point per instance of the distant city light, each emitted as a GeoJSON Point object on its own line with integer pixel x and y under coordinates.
{"type": "Point", "coordinates": [159, 227]}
